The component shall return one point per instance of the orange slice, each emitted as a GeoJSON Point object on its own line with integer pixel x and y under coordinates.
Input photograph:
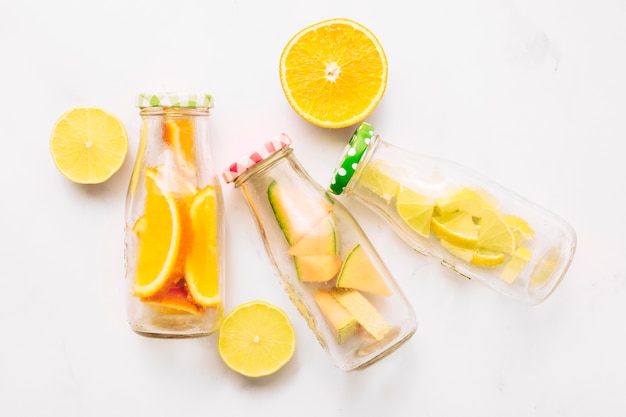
{"type": "Point", "coordinates": [334, 73]}
{"type": "Point", "coordinates": [201, 263]}
{"type": "Point", "coordinates": [256, 339]}
{"type": "Point", "coordinates": [174, 300]}
{"type": "Point", "coordinates": [159, 233]}
{"type": "Point", "coordinates": [178, 134]}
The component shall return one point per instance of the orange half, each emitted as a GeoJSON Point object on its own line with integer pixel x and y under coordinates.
{"type": "Point", "coordinates": [334, 73]}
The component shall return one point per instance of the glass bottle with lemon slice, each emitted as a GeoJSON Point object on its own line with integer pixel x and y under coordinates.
{"type": "Point", "coordinates": [174, 228]}
{"type": "Point", "coordinates": [327, 265]}
{"type": "Point", "coordinates": [471, 224]}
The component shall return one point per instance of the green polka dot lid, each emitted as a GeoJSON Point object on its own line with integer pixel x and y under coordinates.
{"type": "Point", "coordinates": [180, 100]}
{"type": "Point", "coordinates": [352, 155]}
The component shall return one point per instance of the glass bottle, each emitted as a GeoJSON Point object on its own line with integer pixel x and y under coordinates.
{"type": "Point", "coordinates": [326, 264]}
{"type": "Point", "coordinates": [471, 224]}
{"type": "Point", "coordinates": [174, 228]}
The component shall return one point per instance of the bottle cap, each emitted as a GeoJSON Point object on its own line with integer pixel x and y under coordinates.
{"type": "Point", "coordinates": [351, 157]}
{"type": "Point", "coordinates": [257, 155]}
{"type": "Point", "coordinates": [180, 100]}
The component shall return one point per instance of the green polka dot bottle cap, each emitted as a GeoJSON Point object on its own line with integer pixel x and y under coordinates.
{"type": "Point", "coordinates": [180, 100]}
{"type": "Point", "coordinates": [352, 155]}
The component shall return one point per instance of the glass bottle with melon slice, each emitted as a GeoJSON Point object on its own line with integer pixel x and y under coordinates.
{"type": "Point", "coordinates": [174, 266]}
{"type": "Point", "coordinates": [468, 222]}
{"type": "Point", "coordinates": [327, 265]}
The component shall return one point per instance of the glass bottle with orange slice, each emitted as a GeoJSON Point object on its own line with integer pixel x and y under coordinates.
{"type": "Point", "coordinates": [327, 265]}
{"type": "Point", "coordinates": [174, 228]}
{"type": "Point", "coordinates": [468, 222]}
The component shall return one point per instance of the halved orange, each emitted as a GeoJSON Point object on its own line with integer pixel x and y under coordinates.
{"type": "Point", "coordinates": [201, 263]}
{"type": "Point", "coordinates": [334, 73]}
{"type": "Point", "coordinates": [159, 234]}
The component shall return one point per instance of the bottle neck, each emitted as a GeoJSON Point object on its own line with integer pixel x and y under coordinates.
{"type": "Point", "coordinates": [375, 142]}
{"type": "Point", "coordinates": [177, 139]}
{"type": "Point", "coordinates": [263, 166]}
{"type": "Point", "coordinates": [173, 111]}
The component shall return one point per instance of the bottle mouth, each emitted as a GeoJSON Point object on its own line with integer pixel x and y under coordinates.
{"type": "Point", "coordinates": [351, 157]}
{"type": "Point", "coordinates": [257, 155]}
{"type": "Point", "coordinates": [182, 100]}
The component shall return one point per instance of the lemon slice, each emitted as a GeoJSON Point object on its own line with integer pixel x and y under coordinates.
{"type": "Point", "coordinates": [545, 267]}
{"type": "Point", "coordinates": [159, 233]}
{"type": "Point", "coordinates": [333, 73]}
{"type": "Point", "coordinates": [456, 228]}
{"type": "Point", "coordinates": [520, 228]}
{"type": "Point", "coordinates": [477, 256]}
{"type": "Point", "coordinates": [482, 257]}
{"type": "Point", "coordinates": [463, 200]}
{"type": "Point", "coordinates": [201, 263]}
{"type": "Point", "coordinates": [515, 265]}
{"type": "Point", "coordinates": [495, 235]}
{"type": "Point", "coordinates": [376, 178]}
{"type": "Point", "coordinates": [415, 209]}
{"type": "Point", "coordinates": [464, 254]}
{"type": "Point", "coordinates": [256, 339]}
{"type": "Point", "coordinates": [88, 145]}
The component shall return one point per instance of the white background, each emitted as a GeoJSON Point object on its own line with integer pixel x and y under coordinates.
{"type": "Point", "coordinates": [530, 93]}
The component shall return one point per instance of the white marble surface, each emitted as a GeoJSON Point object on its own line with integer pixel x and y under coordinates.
{"type": "Point", "coordinates": [531, 93]}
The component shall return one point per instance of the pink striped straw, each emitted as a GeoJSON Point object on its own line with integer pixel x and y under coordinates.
{"type": "Point", "coordinates": [257, 155]}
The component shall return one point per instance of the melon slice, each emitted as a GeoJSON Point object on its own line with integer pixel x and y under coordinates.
{"type": "Point", "coordinates": [364, 312]}
{"type": "Point", "coordinates": [321, 240]}
{"type": "Point", "coordinates": [317, 268]}
{"type": "Point", "coordinates": [297, 212]}
{"type": "Point", "coordinates": [341, 322]}
{"type": "Point", "coordinates": [359, 273]}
